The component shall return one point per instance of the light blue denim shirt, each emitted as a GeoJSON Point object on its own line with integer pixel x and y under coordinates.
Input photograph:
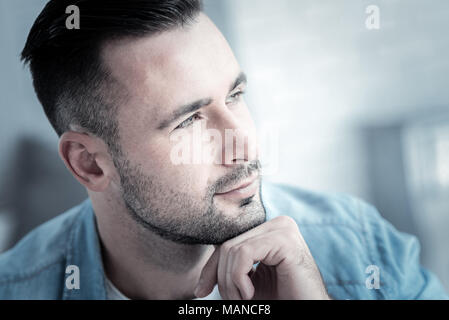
{"type": "Point", "coordinates": [350, 242]}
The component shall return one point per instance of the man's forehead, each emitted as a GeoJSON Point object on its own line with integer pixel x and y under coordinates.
{"type": "Point", "coordinates": [175, 57]}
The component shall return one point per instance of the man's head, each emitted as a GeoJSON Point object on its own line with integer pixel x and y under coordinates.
{"type": "Point", "coordinates": [119, 90]}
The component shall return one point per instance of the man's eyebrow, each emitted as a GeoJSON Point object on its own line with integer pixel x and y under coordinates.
{"type": "Point", "coordinates": [188, 108]}
{"type": "Point", "coordinates": [192, 107]}
{"type": "Point", "coordinates": [241, 78]}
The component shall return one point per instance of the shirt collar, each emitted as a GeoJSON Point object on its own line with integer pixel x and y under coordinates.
{"type": "Point", "coordinates": [84, 251]}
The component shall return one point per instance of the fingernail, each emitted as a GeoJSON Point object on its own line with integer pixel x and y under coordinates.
{"type": "Point", "coordinates": [197, 291]}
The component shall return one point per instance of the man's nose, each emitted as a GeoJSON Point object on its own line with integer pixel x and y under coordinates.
{"type": "Point", "coordinates": [238, 141]}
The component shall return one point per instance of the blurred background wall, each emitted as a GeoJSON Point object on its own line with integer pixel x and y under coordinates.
{"type": "Point", "coordinates": [361, 111]}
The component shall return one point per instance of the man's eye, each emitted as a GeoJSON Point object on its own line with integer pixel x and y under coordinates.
{"type": "Point", "coordinates": [235, 97]}
{"type": "Point", "coordinates": [188, 121]}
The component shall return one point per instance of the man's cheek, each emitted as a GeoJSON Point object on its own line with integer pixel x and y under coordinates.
{"type": "Point", "coordinates": [193, 179]}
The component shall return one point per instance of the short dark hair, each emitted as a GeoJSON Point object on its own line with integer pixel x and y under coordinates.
{"type": "Point", "coordinates": [70, 80]}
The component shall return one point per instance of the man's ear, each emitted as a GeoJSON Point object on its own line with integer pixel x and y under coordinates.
{"type": "Point", "coordinates": [87, 159]}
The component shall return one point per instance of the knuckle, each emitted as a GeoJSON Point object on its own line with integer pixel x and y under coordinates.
{"type": "Point", "coordinates": [233, 250]}
{"type": "Point", "coordinates": [292, 237]}
{"type": "Point", "coordinates": [226, 247]}
{"type": "Point", "coordinates": [243, 251]}
{"type": "Point", "coordinates": [286, 221]}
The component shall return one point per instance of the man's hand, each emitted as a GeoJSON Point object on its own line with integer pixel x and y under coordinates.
{"type": "Point", "coordinates": [286, 269]}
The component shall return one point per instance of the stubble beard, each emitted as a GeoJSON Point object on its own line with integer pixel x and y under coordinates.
{"type": "Point", "coordinates": [181, 218]}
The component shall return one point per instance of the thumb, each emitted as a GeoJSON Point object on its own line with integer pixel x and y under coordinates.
{"type": "Point", "coordinates": [208, 277]}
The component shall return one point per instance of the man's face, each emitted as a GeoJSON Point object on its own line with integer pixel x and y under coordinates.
{"type": "Point", "coordinates": [179, 82]}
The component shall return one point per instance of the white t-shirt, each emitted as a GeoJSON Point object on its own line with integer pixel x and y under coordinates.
{"type": "Point", "coordinates": [112, 293]}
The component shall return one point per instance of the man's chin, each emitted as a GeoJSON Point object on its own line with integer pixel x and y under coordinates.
{"type": "Point", "coordinates": [246, 222]}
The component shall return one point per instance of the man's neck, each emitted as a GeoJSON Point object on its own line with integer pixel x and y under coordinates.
{"type": "Point", "coordinates": [141, 264]}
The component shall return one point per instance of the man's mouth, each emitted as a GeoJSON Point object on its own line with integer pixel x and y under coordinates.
{"type": "Point", "coordinates": [244, 189]}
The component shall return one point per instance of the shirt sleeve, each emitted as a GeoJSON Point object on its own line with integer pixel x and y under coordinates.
{"type": "Point", "coordinates": [397, 256]}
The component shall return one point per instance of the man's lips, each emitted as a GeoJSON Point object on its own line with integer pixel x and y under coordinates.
{"type": "Point", "coordinates": [245, 189]}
